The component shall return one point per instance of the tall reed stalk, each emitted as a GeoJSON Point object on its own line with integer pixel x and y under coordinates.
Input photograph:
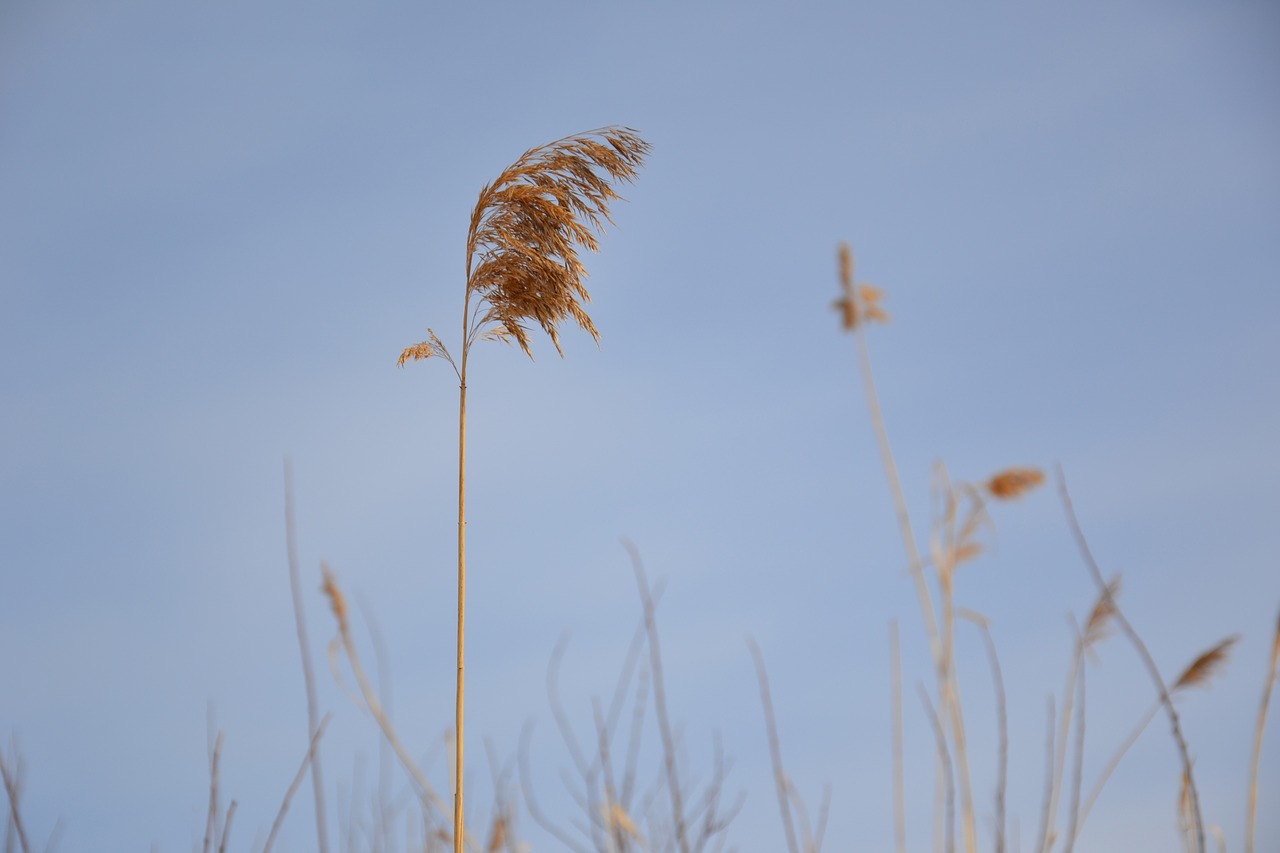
{"type": "Point", "coordinates": [523, 268]}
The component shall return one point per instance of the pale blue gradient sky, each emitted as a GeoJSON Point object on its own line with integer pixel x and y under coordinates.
{"type": "Point", "coordinates": [218, 227]}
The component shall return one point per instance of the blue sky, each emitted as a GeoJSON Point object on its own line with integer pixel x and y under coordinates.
{"type": "Point", "coordinates": [219, 226]}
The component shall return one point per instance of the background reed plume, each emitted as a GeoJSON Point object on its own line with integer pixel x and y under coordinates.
{"type": "Point", "coordinates": [523, 268]}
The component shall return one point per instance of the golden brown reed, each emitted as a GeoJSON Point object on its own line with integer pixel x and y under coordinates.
{"type": "Point", "coordinates": [523, 268]}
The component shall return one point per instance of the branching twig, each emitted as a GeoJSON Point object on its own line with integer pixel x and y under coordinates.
{"type": "Point", "coordinates": [659, 698]}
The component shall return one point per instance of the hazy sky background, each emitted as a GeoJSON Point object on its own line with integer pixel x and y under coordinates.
{"type": "Point", "coordinates": [219, 226]}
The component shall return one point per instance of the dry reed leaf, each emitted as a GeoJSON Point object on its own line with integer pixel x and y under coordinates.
{"type": "Point", "coordinates": [1013, 483]}
{"type": "Point", "coordinates": [1206, 666]}
{"type": "Point", "coordinates": [968, 552]}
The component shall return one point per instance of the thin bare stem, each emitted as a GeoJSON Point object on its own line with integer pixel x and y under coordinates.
{"type": "Point", "coordinates": [226, 827]}
{"type": "Point", "coordinates": [211, 823]}
{"type": "Point", "coordinates": [915, 565]}
{"type": "Point", "coordinates": [899, 796]}
{"type": "Point", "coordinates": [426, 793]}
{"type": "Point", "coordinates": [1064, 736]}
{"type": "Point", "coordinates": [1162, 691]}
{"type": "Point", "coordinates": [1251, 812]}
{"type": "Point", "coordinates": [1003, 726]}
{"type": "Point", "coordinates": [304, 648]}
{"type": "Point", "coordinates": [307, 760]}
{"type": "Point", "coordinates": [1045, 838]}
{"type": "Point", "coordinates": [531, 801]}
{"type": "Point", "coordinates": [941, 741]}
{"type": "Point", "coordinates": [1114, 762]}
{"type": "Point", "coordinates": [659, 698]}
{"type": "Point", "coordinates": [951, 709]}
{"type": "Point", "coordinates": [775, 749]}
{"type": "Point", "coordinates": [459, 829]}
{"type": "Point", "coordinates": [12, 787]}
{"type": "Point", "coordinates": [1073, 813]}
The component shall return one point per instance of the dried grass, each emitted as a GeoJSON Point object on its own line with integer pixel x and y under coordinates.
{"type": "Point", "coordinates": [1251, 811]}
{"type": "Point", "coordinates": [524, 269]}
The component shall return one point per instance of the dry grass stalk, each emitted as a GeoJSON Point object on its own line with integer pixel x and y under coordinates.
{"type": "Point", "coordinates": [1002, 725]}
{"type": "Point", "coordinates": [1097, 627]}
{"type": "Point", "coordinates": [523, 268]}
{"type": "Point", "coordinates": [953, 541]}
{"type": "Point", "coordinates": [944, 758]}
{"type": "Point", "coordinates": [226, 827]}
{"type": "Point", "coordinates": [13, 789]}
{"type": "Point", "coordinates": [304, 648]}
{"type": "Point", "coordinates": [1073, 811]}
{"type": "Point", "coordinates": [211, 824]}
{"type": "Point", "coordinates": [1197, 674]}
{"type": "Point", "coordinates": [1251, 811]}
{"type": "Point", "coordinates": [308, 760]}
{"type": "Point", "coordinates": [781, 782]}
{"type": "Point", "coordinates": [899, 794]}
{"type": "Point", "coordinates": [1046, 831]}
{"type": "Point", "coordinates": [607, 795]}
{"type": "Point", "coordinates": [659, 698]}
{"type": "Point", "coordinates": [368, 698]}
{"type": "Point", "coordinates": [946, 539]}
{"type": "Point", "coordinates": [1149, 662]}
{"type": "Point", "coordinates": [848, 306]}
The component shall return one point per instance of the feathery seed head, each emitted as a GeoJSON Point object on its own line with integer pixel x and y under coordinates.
{"type": "Point", "coordinates": [417, 352]}
{"type": "Point", "coordinates": [859, 302]}
{"type": "Point", "coordinates": [1013, 483]}
{"type": "Point", "coordinates": [846, 267]}
{"type": "Point", "coordinates": [336, 599]}
{"type": "Point", "coordinates": [527, 228]}
{"type": "Point", "coordinates": [1104, 610]}
{"type": "Point", "coordinates": [1206, 666]}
